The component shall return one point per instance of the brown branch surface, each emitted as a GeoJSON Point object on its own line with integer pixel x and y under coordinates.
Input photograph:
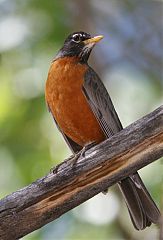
{"type": "Point", "coordinates": [103, 165]}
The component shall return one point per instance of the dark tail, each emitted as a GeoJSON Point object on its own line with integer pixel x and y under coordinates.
{"type": "Point", "coordinates": [142, 209]}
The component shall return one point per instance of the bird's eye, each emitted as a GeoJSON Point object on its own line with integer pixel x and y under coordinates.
{"type": "Point", "coordinates": [76, 38]}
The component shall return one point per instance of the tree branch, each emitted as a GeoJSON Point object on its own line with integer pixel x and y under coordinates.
{"type": "Point", "coordinates": [103, 165]}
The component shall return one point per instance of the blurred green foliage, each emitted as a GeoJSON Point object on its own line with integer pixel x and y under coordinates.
{"type": "Point", "coordinates": [129, 62]}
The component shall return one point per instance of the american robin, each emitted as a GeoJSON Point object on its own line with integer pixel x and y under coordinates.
{"type": "Point", "coordinates": [84, 113]}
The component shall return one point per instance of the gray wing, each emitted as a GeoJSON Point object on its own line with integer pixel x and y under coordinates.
{"type": "Point", "coordinates": [72, 145]}
{"type": "Point", "coordinates": [101, 104]}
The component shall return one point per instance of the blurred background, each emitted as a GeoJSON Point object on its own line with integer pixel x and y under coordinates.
{"type": "Point", "coordinates": [128, 60]}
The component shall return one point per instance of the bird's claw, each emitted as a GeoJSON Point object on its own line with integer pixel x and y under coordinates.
{"type": "Point", "coordinates": [73, 158]}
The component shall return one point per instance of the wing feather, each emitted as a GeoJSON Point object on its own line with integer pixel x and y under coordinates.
{"type": "Point", "coordinates": [101, 104]}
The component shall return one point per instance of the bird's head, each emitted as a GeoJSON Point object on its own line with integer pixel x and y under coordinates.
{"type": "Point", "coordinates": [79, 44]}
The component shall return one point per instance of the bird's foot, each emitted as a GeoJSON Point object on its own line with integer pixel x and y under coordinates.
{"type": "Point", "coordinates": [87, 147]}
{"type": "Point", "coordinates": [55, 168]}
{"type": "Point", "coordinates": [81, 153]}
{"type": "Point", "coordinates": [73, 158]}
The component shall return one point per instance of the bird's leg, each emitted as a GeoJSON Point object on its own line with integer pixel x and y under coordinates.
{"type": "Point", "coordinates": [73, 158]}
{"type": "Point", "coordinates": [81, 153]}
{"type": "Point", "coordinates": [87, 147]}
{"type": "Point", "coordinates": [55, 168]}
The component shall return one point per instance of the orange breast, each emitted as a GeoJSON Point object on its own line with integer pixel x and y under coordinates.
{"type": "Point", "coordinates": [68, 104]}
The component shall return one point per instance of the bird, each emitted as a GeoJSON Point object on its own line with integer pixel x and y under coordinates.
{"type": "Point", "coordinates": [84, 113]}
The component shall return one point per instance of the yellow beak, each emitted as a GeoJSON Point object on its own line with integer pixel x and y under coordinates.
{"type": "Point", "coordinates": [93, 40]}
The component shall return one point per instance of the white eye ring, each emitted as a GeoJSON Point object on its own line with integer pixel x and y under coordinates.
{"type": "Point", "coordinates": [78, 38]}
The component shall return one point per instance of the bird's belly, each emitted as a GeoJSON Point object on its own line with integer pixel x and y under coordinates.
{"type": "Point", "coordinates": [76, 119]}
{"type": "Point", "coordinates": [69, 105]}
